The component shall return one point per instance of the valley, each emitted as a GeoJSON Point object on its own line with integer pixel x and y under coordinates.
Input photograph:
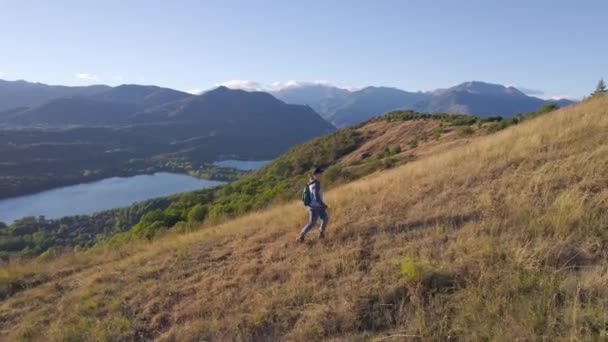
{"type": "Point", "coordinates": [72, 140]}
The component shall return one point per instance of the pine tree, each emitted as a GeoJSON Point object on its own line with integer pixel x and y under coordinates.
{"type": "Point", "coordinates": [600, 89]}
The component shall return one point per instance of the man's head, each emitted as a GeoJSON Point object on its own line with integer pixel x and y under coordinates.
{"type": "Point", "coordinates": [317, 173]}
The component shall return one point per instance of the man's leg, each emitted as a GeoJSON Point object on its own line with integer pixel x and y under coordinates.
{"type": "Point", "coordinates": [312, 219]}
{"type": "Point", "coordinates": [324, 221]}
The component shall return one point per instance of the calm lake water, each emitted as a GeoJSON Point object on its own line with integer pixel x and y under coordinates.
{"type": "Point", "coordinates": [92, 197]}
{"type": "Point", "coordinates": [246, 165]}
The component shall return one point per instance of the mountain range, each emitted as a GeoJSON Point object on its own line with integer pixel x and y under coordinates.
{"type": "Point", "coordinates": [16, 94]}
{"type": "Point", "coordinates": [34, 104]}
{"type": "Point", "coordinates": [219, 111]}
{"type": "Point", "coordinates": [343, 107]}
{"type": "Point", "coordinates": [257, 118]}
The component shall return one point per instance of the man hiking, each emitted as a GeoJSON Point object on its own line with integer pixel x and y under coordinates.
{"type": "Point", "coordinates": [313, 199]}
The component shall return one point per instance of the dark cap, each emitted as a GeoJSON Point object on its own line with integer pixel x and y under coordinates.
{"type": "Point", "coordinates": [318, 170]}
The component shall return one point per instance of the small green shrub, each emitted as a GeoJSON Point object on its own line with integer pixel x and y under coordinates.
{"type": "Point", "coordinates": [413, 143]}
{"type": "Point", "coordinates": [497, 126]}
{"type": "Point", "coordinates": [389, 151]}
{"type": "Point", "coordinates": [389, 163]}
{"type": "Point", "coordinates": [467, 130]}
{"type": "Point", "coordinates": [414, 270]}
{"type": "Point", "coordinates": [332, 173]}
{"type": "Point", "coordinates": [197, 213]}
{"type": "Point", "coordinates": [385, 153]}
{"type": "Point", "coordinates": [395, 150]}
{"type": "Point", "coordinates": [493, 118]}
{"type": "Point", "coordinates": [437, 131]}
{"type": "Point", "coordinates": [50, 253]}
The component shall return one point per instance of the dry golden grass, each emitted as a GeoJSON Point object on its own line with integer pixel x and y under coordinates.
{"type": "Point", "coordinates": [381, 134]}
{"type": "Point", "coordinates": [504, 238]}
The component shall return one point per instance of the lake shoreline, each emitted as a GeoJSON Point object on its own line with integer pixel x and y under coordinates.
{"type": "Point", "coordinates": [209, 173]}
{"type": "Point", "coordinates": [101, 195]}
{"type": "Point", "coordinates": [218, 173]}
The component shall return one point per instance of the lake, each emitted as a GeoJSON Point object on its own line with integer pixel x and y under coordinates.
{"type": "Point", "coordinates": [88, 198]}
{"type": "Point", "coordinates": [246, 165]}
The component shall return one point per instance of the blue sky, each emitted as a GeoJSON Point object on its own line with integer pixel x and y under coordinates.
{"type": "Point", "coordinates": [550, 48]}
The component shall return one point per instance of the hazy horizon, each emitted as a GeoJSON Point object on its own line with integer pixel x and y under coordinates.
{"type": "Point", "coordinates": [249, 85]}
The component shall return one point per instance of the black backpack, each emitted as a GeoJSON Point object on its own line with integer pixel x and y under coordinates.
{"type": "Point", "coordinates": [306, 195]}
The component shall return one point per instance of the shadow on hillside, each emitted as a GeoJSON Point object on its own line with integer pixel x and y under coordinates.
{"type": "Point", "coordinates": [367, 238]}
{"type": "Point", "coordinates": [448, 221]}
{"type": "Point", "coordinates": [10, 288]}
{"type": "Point", "coordinates": [390, 308]}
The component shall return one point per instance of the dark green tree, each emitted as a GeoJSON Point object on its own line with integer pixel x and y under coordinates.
{"type": "Point", "coordinates": [197, 213]}
{"type": "Point", "coordinates": [600, 88]}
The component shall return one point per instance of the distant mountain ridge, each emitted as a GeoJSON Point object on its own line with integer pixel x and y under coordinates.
{"type": "Point", "coordinates": [339, 106]}
{"type": "Point", "coordinates": [238, 112]}
{"type": "Point", "coordinates": [240, 115]}
{"type": "Point", "coordinates": [482, 99]}
{"type": "Point", "coordinates": [362, 104]}
{"type": "Point", "coordinates": [474, 98]}
{"type": "Point", "coordinates": [15, 94]}
{"type": "Point", "coordinates": [143, 96]}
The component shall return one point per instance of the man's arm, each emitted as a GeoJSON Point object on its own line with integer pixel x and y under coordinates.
{"type": "Point", "coordinates": [318, 195]}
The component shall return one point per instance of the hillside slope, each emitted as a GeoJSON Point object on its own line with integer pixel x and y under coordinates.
{"type": "Point", "coordinates": [80, 111]}
{"type": "Point", "coordinates": [504, 238]}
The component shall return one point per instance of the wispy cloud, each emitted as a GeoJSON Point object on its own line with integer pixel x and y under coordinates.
{"type": "Point", "coordinates": [196, 91]}
{"type": "Point", "coordinates": [544, 94]}
{"type": "Point", "coordinates": [244, 85]}
{"type": "Point", "coordinates": [280, 85]}
{"type": "Point", "coordinates": [273, 86]}
{"type": "Point", "coordinates": [564, 96]}
{"type": "Point", "coordinates": [2, 73]}
{"type": "Point", "coordinates": [530, 91]}
{"type": "Point", "coordinates": [87, 77]}
{"type": "Point", "coordinates": [118, 78]}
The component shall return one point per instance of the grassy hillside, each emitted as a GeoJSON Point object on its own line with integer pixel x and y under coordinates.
{"type": "Point", "coordinates": [503, 238]}
{"type": "Point", "coordinates": [381, 143]}
{"type": "Point", "coordinates": [391, 140]}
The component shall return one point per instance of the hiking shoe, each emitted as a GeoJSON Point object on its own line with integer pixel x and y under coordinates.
{"type": "Point", "coordinates": [321, 235]}
{"type": "Point", "coordinates": [300, 238]}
